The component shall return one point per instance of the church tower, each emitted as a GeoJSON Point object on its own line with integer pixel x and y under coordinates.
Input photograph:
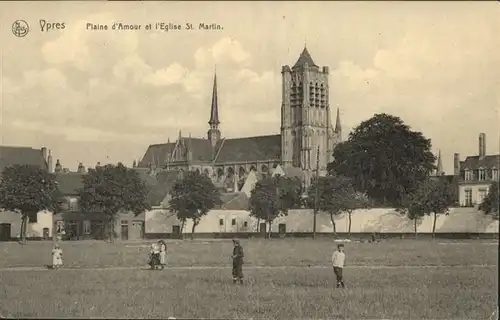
{"type": "Point", "coordinates": [306, 115]}
{"type": "Point", "coordinates": [214, 132]}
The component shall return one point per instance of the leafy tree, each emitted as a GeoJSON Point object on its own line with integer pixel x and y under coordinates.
{"type": "Point", "coordinates": [28, 189]}
{"type": "Point", "coordinates": [413, 208]}
{"type": "Point", "coordinates": [112, 189]}
{"type": "Point", "coordinates": [192, 197]}
{"type": "Point", "coordinates": [431, 197]}
{"type": "Point", "coordinates": [335, 195]}
{"type": "Point", "coordinates": [491, 201]}
{"type": "Point", "coordinates": [384, 159]}
{"type": "Point", "coordinates": [272, 197]}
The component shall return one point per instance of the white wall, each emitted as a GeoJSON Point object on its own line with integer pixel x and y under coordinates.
{"type": "Point", "coordinates": [34, 229]}
{"type": "Point", "coordinates": [363, 221]}
{"type": "Point", "coordinates": [476, 200]}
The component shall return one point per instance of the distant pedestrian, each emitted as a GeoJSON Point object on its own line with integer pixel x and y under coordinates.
{"type": "Point", "coordinates": [154, 256]}
{"type": "Point", "coordinates": [57, 254]}
{"type": "Point", "coordinates": [338, 261]}
{"type": "Point", "coordinates": [237, 262]}
{"type": "Point", "coordinates": [163, 253]}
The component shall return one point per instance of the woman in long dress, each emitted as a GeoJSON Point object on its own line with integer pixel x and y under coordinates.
{"type": "Point", "coordinates": [163, 253]}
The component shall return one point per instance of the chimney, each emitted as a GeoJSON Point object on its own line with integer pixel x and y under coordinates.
{"type": "Point", "coordinates": [44, 153]}
{"type": "Point", "coordinates": [49, 162]}
{"type": "Point", "coordinates": [482, 145]}
{"type": "Point", "coordinates": [456, 164]}
{"type": "Point", "coordinates": [81, 168]}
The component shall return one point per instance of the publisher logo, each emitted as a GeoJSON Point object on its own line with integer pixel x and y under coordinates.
{"type": "Point", "coordinates": [20, 28]}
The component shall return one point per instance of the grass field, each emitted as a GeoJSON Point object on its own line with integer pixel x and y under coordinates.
{"type": "Point", "coordinates": [283, 281]}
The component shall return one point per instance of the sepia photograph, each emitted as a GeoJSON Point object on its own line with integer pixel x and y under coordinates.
{"type": "Point", "coordinates": [249, 160]}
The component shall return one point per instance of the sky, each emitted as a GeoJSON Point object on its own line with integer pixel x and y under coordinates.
{"type": "Point", "coordinates": [104, 96]}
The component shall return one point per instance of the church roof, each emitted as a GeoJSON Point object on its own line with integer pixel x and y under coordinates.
{"type": "Point", "coordinates": [157, 153]}
{"type": "Point", "coordinates": [201, 149]}
{"type": "Point", "coordinates": [227, 150]}
{"type": "Point", "coordinates": [304, 58]}
{"type": "Point", "coordinates": [250, 149]}
{"type": "Point", "coordinates": [22, 156]}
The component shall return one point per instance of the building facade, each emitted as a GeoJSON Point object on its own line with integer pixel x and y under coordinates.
{"type": "Point", "coordinates": [476, 174]}
{"type": "Point", "coordinates": [306, 141]}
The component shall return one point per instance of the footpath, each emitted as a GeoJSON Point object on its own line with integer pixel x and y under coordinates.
{"type": "Point", "coordinates": [248, 267]}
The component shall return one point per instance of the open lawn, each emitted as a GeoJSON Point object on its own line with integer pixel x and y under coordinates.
{"type": "Point", "coordinates": [259, 252]}
{"type": "Point", "coordinates": [392, 279]}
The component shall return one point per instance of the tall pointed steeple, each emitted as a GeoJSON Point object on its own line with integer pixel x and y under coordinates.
{"type": "Point", "coordinates": [214, 110]}
{"type": "Point", "coordinates": [214, 134]}
{"type": "Point", "coordinates": [338, 125]}
{"type": "Point", "coordinates": [439, 169]}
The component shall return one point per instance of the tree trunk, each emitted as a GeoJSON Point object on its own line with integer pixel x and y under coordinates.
{"type": "Point", "coordinates": [415, 228]}
{"type": "Point", "coordinates": [333, 225]}
{"type": "Point", "coordinates": [314, 223]}
{"type": "Point", "coordinates": [193, 228]}
{"type": "Point", "coordinates": [434, 226]}
{"type": "Point", "coordinates": [183, 222]}
{"type": "Point", "coordinates": [258, 225]}
{"type": "Point", "coordinates": [350, 222]}
{"type": "Point", "coordinates": [269, 230]}
{"type": "Point", "coordinates": [24, 228]}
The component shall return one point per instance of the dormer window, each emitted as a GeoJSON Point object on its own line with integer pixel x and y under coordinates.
{"type": "Point", "coordinates": [481, 174]}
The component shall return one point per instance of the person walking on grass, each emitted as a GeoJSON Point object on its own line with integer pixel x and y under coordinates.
{"type": "Point", "coordinates": [163, 253]}
{"type": "Point", "coordinates": [237, 262]}
{"type": "Point", "coordinates": [57, 257]}
{"type": "Point", "coordinates": [154, 256]}
{"type": "Point", "coordinates": [338, 260]}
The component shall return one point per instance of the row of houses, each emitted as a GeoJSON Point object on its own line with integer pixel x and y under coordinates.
{"type": "Point", "coordinates": [160, 223]}
{"type": "Point", "coordinates": [471, 180]}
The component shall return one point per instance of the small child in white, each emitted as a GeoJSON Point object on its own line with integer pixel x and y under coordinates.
{"type": "Point", "coordinates": [57, 254]}
{"type": "Point", "coordinates": [338, 260]}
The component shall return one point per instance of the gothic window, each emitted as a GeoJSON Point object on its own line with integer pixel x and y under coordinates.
{"type": "Point", "coordinates": [242, 172]}
{"type": "Point", "coordinates": [220, 173]}
{"type": "Point", "coordinates": [206, 172]}
{"type": "Point", "coordinates": [197, 170]}
{"type": "Point", "coordinates": [230, 172]}
{"type": "Point", "coordinates": [264, 169]}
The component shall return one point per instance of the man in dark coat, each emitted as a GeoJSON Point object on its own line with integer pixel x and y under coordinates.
{"type": "Point", "coordinates": [237, 262]}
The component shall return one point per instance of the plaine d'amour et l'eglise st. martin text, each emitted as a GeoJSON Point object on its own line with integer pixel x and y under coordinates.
{"type": "Point", "coordinates": [160, 26]}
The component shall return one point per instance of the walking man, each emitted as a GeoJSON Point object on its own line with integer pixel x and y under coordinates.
{"type": "Point", "coordinates": [338, 260]}
{"type": "Point", "coordinates": [237, 262]}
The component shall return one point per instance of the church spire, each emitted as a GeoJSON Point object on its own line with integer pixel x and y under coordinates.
{"type": "Point", "coordinates": [338, 126]}
{"type": "Point", "coordinates": [214, 132]}
{"type": "Point", "coordinates": [214, 111]}
{"type": "Point", "coordinates": [439, 169]}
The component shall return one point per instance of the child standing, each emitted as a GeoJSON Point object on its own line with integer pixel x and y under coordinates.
{"type": "Point", "coordinates": [154, 259]}
{"type": "Point", "coordinates": [57, 257]}
{"type": "Point", "coordinates": [163, 253]}
{"type": "Point", "coordinates": [338, 260]}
